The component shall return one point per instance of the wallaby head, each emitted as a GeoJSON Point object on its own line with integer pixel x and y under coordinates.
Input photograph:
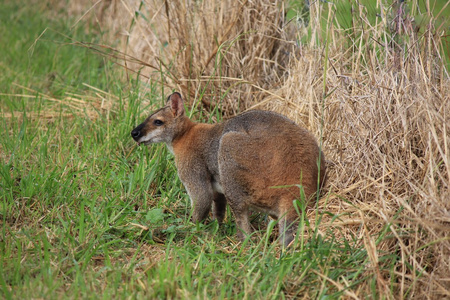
{"type": "Point", "coordinates": [163, 125]}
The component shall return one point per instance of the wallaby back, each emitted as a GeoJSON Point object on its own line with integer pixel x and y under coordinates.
{"type": "Point", "coordinates": [258, 160]}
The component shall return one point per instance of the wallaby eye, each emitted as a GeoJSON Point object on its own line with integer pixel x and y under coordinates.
{"type": "Point", "coordinates": [158, 122]}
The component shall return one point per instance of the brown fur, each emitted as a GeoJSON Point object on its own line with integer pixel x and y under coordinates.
{"type": "Point", "coordinates": [256, 160]}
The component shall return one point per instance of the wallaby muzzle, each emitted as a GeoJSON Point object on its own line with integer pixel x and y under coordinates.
{"type": "Point", "coordinates": [136, 133]}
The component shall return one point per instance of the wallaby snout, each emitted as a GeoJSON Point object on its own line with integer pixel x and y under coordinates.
{"type": "Point", "coordinates": [137, 133]}
{"type": "Point", "coordinates": [239, 162]}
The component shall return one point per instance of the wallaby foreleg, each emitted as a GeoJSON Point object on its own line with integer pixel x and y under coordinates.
{"type": "Point", "coordinates": [201, 201]}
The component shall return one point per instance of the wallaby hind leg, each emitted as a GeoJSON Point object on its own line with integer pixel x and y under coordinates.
{"type": "Point", "coordinates": [234, 182]}
{"type": "Point", "coordinates": [237, 199]}
{"type": "Point", "coordinates": [219, 207]}
{"type": "Point", "coordinates": [242, 221]}
{"type": "Point", "coordinates": [287, 226]}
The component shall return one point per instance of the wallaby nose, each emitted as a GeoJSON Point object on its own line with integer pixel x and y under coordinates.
{"type": "Point", "coordinates": [135, 134]}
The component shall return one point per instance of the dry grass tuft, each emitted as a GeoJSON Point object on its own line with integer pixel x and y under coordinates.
{"type": "Point", "coordinates": [205, 49]}
{"type": "Point", "coordinates": [385, 119]}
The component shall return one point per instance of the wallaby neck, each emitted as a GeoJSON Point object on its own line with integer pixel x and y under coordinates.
{"type": "Point", "coordinates": [184, 126]}
{"type": "Point", "coordinates": [192, 135]}
{"type": "Point", "coordinates": [182, 132]}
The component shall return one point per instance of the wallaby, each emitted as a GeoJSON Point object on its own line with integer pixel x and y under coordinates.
{"type": "Point", "coordinates": [257, 160]}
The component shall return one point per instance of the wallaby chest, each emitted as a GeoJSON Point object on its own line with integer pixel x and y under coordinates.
{"type": "Point", "coordinates": [196, 153]}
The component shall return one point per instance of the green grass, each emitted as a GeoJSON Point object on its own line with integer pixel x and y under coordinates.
{"type": "Point", "coordinates": [85, 214]}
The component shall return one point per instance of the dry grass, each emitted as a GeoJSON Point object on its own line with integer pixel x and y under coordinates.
{"type": "Point", "coordinates": [89, 104]}
{"type": "Point", "coordinates": [202, 49]}
{"type": "Point", "coordinates": [385, 119]}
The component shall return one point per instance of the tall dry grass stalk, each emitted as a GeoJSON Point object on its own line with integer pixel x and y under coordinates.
{"type": "Point", "coordinates": [378, 95]}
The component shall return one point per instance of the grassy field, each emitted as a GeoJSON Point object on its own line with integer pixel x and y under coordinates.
{"type": "Point", "coordinates": [87, 214]}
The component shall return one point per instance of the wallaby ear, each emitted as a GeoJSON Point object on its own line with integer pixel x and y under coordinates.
{"type": "Point", "coordinates": [176, 104]}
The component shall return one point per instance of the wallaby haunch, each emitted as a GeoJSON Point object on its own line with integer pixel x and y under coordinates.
{"type": "Point", "coordinates": [257, 160]}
